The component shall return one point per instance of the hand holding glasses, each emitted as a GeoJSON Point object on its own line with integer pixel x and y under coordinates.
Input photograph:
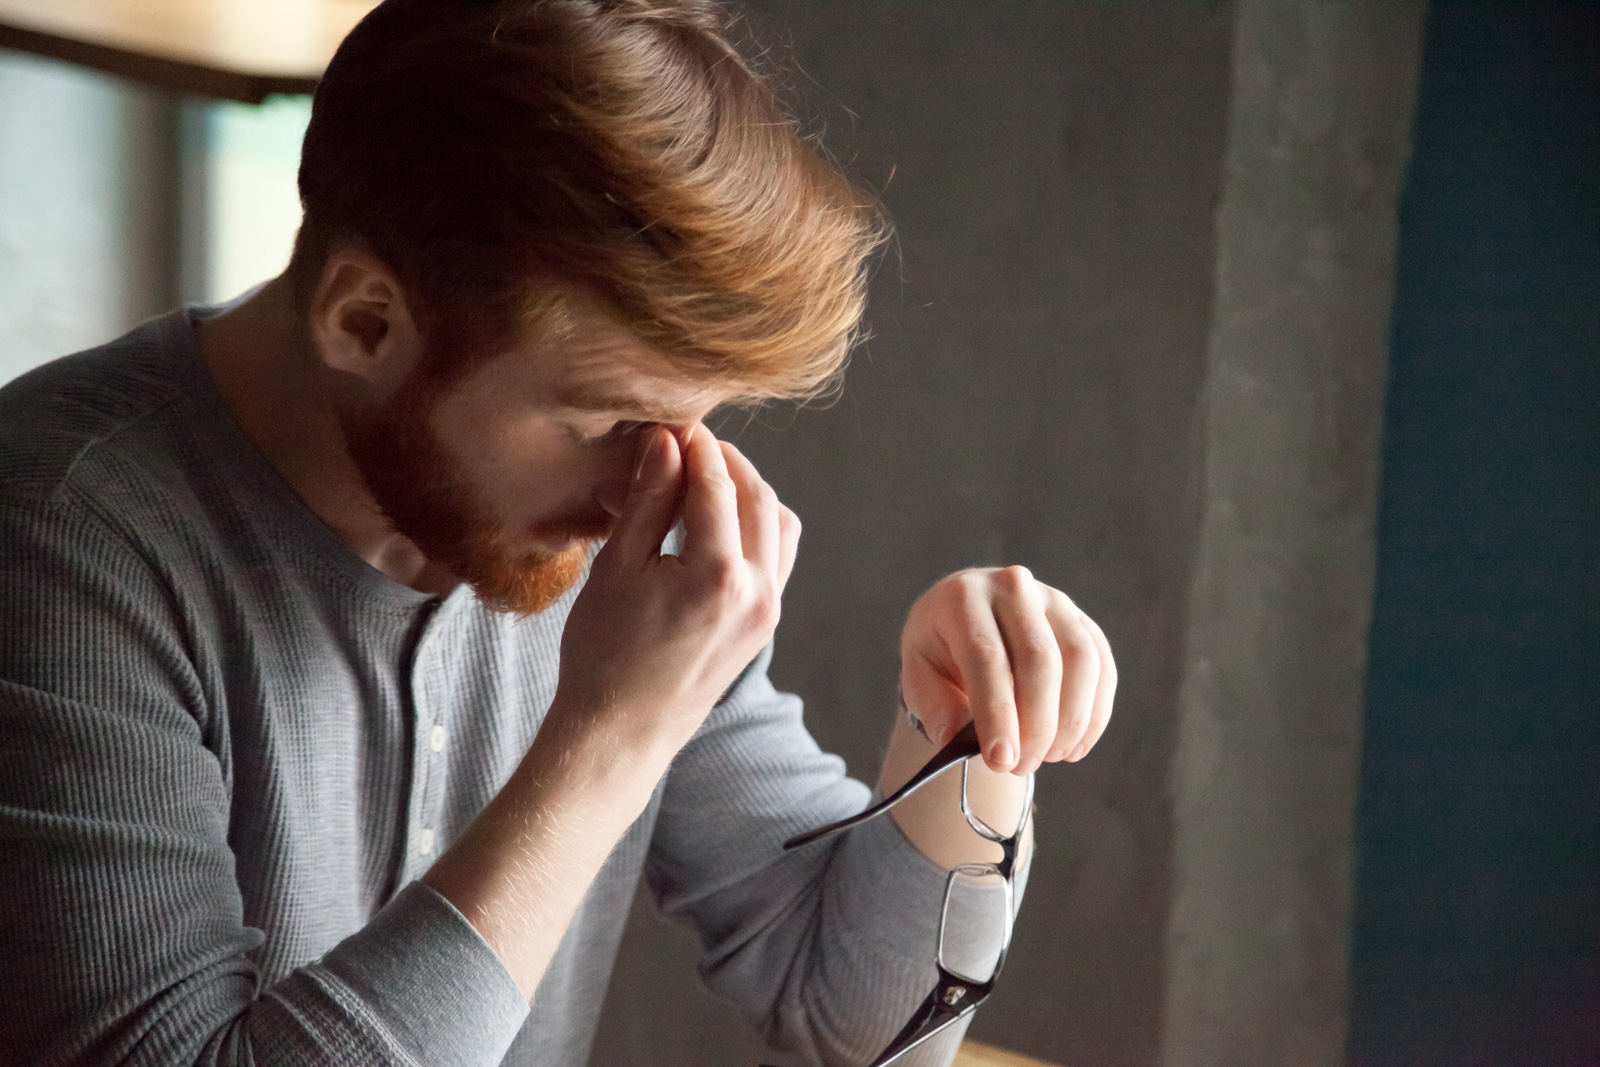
{"type": "Point", "coordinates": [958, 992]}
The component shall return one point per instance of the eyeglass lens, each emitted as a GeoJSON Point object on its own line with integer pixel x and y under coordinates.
{"type": "Point", "coordinates": [979, 907]}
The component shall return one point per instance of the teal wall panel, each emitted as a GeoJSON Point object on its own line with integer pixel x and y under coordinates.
{"type": "Point", "coordinates": [1477, 925]}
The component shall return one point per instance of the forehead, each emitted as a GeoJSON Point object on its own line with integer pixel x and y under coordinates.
{"type": "Point", "coordinates": [587, 361]}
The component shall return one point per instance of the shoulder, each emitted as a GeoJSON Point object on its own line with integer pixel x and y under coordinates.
{"type": "Point", "coordinates": [57, 415]}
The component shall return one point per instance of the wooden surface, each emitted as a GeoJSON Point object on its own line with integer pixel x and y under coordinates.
{"type": "Point", "coordinates": [973, 1054]}
{"type": "Point", "coordinates": [232, 49]}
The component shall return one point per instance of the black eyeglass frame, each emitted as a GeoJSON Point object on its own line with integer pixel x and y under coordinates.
{"type": "Point", "coordinates": [955, 996]}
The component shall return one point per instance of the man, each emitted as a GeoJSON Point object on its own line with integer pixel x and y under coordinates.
{"type": "Point", "coordinates": [331, 737]}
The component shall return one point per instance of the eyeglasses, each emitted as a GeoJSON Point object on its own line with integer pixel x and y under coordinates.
{"type": "Point", "coordinates": [961, 986]}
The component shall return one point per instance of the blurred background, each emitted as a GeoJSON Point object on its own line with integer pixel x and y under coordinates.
{"type": "Point", "coordinates": [1270, 331]}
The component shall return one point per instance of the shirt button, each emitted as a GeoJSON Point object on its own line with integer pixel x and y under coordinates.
{"type": "Point", "coordinates": [436, 738]}
{"type": "Point", "coordinates": [425, 842]}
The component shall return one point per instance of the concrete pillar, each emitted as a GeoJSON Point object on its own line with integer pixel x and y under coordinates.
{"type": "Point", "coordinates": [1265, 773]}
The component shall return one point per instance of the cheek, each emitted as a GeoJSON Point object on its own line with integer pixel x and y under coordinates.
{"type": "Point", "coordinates": [531, 474]}
{"type": "Point", "coordinates": [509, 463]}
{"type": "Point", "coordinates": [528, 471]}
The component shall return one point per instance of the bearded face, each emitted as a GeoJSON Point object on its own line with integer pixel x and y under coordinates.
{"type": "Point", "coordinates": [426, 496]}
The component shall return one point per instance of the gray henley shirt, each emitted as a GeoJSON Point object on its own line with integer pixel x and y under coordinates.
{"type": "Point", "coordinates": [228, 749]}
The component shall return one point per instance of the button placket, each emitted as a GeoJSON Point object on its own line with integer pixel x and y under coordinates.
{"type": "Point", "coordinates": [428, 742]}
{"type": "Point", "coordinates": [432, 774]}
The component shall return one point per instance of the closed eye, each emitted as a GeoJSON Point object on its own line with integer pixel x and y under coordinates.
{"type": "Point", "coordinates": [618, 431]}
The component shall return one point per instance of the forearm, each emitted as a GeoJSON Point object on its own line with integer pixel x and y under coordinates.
{"type": "Point", "coordinates": [646, 650]}
{"type": "Point", "coordinates": [520, 870]}
{"type": "Point", "coordinates": [931, 817]}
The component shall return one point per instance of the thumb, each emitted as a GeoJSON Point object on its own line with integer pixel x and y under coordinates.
{"type": "Point", "coordinates": [653, 498]}
{"type": "Point", "coordinates": [933, 699]}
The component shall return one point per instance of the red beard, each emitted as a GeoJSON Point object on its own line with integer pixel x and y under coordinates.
{"type": "Point", "coordinates": [427, 499]}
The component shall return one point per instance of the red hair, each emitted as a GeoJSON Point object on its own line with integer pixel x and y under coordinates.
{"type": "Point", "coordinates": [492, 152]}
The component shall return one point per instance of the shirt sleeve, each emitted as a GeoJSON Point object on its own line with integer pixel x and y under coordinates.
{"type": "Point", "coordinates": [827, 949]}
{"type": "Point", "coordinates": [122, 938]}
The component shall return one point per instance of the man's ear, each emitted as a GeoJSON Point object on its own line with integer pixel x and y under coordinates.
{"type": "Point", "coordinates": [360, 323]}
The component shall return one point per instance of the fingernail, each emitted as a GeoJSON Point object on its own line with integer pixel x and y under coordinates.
{"type": "Point", "coordinates": [651, 446]}
{"type": "Point", "coordinates": [1033, 765]}
{"type": "Point", "coordinates": [1002, 754]}
{"type": "Point", "coordinates": [1078, 753]}
{"type": "Point", "coordinates": [1056, 755]}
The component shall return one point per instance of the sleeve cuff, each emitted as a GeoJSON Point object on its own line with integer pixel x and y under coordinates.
{"type": "Point", "coordinates": [428, 973]}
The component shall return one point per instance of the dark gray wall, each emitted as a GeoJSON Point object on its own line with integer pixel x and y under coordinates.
{"type": "Point", "coordinates": [1031, 394]}
{"type": "Point", "coordinates": [1132, 336]}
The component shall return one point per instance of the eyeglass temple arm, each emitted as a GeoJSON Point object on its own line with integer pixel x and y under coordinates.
{"type": "Point", "coordinates": [963, 746]}
{"type": "Point", "coordinates": [952, 1000]}
{"type": "Point", "coordinates": [930, 1019]}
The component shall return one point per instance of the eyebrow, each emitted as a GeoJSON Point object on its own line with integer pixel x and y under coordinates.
{"type": "Point", "coordinates": [581, 399]}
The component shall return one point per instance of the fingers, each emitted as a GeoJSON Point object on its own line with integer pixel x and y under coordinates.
{"type": "Point", "coordinates": [932, 698]}
{"type": "Point", "coordinates": [788, 543]}
{"type": "Point", "coordinates": [1104, 695]}
{"type": "Point", "coordinates": [710, 503]}
{"type": "Point", "coordinates": [979, 652]}
{"type": "Point", "coordinates": [730, 512]}
{"type": "Point", "coordinates": [1042, 691]}
{"type": "Point", "coordinates": [652, 503]}
{"type": "Point", "coordinates": [1032, 671]}
{"type": "Point", "coordinates": [1089, 679]}
{"type": "Point", "coordinates": [759, 523]}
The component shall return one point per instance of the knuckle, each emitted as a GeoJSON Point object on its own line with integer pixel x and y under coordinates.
{"type": "Point", "coordinates": [1078, 643]}
{"type": "Point", "coordinates": [1036, 735]}
{"type": "Point", "coordinates": [1078, 702]}
{"type": "Point", "coordinates": [1060, 605]}
{"type": "Point", "coordinates": [723, 577]}
{"type": "Point", "coordinates": [1103, 646]}
{"type": "Point", "coordinates": [1036, 646]}
{"type": "Point", "coordinates": [1014, 579]}
{"type": "Point", "coordinates": [967, 581]}
{"type": "Point", "coordinates": [767, 608]}
{"type": "Point", "coordinates": [985, 645]}
{"type": "Point", "coordinates": [990, 703]}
